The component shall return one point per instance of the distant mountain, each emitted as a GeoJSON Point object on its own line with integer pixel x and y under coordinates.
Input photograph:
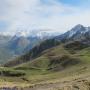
{"type": "Point", "coordinates": [4, 39]}
{"type": "Point", "coordinates": [79, 32]}
{"type": "Point", "coordinates": [20, 42]}
{"type": "Point", "coordinates": [77, 38]}
{"type": "Point", "coordinates": [23, 41]}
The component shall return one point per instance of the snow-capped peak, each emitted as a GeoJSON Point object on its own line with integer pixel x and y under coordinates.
{"type": "Point", "coordinates": [20, 34]}
{"type": "Point", "coordinates": [6, 33]}
{"type": "Point", "coordinates": [78, 29]}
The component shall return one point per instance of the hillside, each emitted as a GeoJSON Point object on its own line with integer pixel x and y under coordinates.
{"type": "Point", "coordinates": [54, 67]}
{"type": "Point", "coordinates": [59, 57]}
{"type": "Point", "coordinates": [34, 52]}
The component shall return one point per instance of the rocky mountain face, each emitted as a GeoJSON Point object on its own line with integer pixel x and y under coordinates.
{"type": "Point", "coordinates": [79, 32]}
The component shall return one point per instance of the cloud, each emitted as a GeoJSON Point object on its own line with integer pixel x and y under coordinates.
{"type": "Point", "coordinates": [41, 14]}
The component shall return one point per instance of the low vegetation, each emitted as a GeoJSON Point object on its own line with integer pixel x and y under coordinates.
{"type": "Point", "coordinates": [51, 67]}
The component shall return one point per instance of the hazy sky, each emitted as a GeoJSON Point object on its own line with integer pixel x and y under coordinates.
{"type": "Point", "coordinates": [59, 15]}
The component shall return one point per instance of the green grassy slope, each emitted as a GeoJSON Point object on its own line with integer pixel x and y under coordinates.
{"type": "Point", "coordinates": [56, 63]}
{"type": "Point", "coordinates": [56, 57]}
{"type": "Point", "coordinates": [52, 65]}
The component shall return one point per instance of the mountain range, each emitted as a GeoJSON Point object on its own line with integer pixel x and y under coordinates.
{"type": "Point", "coordinates": [78, 35]}
{"type": "Point", "coordinates": [79, 32]}
{"type": "Point", "coordinates": [15, 44]}
{"type": "Point", "coordinates": [60, 62]}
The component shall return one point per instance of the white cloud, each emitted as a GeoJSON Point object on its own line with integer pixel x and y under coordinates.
{"type": "Point", "coordinates": [30, 14]}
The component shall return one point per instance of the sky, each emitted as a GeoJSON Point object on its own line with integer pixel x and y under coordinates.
{"type": "Point", "coordinates": [57, 15]}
